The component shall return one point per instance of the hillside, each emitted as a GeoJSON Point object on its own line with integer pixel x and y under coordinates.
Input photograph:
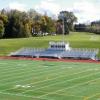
{"type": "Point", "coordinates": [76, 40]}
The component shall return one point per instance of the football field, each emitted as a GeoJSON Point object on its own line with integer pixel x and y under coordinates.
{"type": "Point", "coordinates": [44, 80]}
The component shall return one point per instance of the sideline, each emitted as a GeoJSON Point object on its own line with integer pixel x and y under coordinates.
{"type": "Point", "coordinates": [48, 59]}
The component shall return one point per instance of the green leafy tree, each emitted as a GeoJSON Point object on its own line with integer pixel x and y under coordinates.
{"type": "Point", "coordinates": [3, 21]}
{"type": "Point", "coordinates": [1, 28]}
{"type": "Point", "coordinates": [36, 25]}
{"type": "Point", "coordinates": [18, 25]}
{"type": "Point", "coordinates": [68, 19]}
{"type": "Point", "coordinates": [48, 24]}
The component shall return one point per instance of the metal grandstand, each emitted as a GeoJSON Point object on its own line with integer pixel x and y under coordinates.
{"type": "Point", "coordinates": [58, 50]}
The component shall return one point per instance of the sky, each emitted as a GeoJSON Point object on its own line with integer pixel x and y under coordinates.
{"type": "Point", "coordinates": [85, 10]}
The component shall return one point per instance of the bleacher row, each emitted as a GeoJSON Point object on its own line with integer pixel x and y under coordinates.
{"type": "Point", "coordinates": [74, 53]}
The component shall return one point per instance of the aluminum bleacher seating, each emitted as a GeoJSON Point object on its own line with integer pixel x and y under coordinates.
{"type": "Point", "coordinates": [58, 50]}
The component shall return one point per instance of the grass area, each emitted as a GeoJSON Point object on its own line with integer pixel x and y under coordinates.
{"type": "Point", "coordinates": [43, 80]}
{"type": "Point", "coordinates": [76, 40]}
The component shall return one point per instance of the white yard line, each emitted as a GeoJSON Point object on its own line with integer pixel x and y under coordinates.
{"type": "Point", "coordinates": [69, 87]}
{"type": "Point", "coordinates": [69, 95]}
{"type": "Point", "coordinates": [14, 73]}
{"type": "Point", "coordinates": [12, 68]}
{"type": "Point", "coordinates": [94, 96]}
{"type": "Point", "coordinates": [57, 82]}
{"type": "Point", "coordinates": [42, 97]}
{"type": "Point", "coordinates": [32, 77]}
{"type": "Point", "coordinates": [53, 83]}
{"type": "Point", "coordinates": [21, 68]}
{"type": "Point", "coordinates": [50, 78]}
{"type": "Point", "coordinates": [47, 70]}
{"type": "Point", "coordinates": [17, 76]}
{"type": "Point", "coordinates": [34, 70]}
{"type": "Point", "coordinates": [6, 75]}
{"type": "Point", "coordinates": [21, 95]}
{"type": "Point", "coordinates": [9, 69]}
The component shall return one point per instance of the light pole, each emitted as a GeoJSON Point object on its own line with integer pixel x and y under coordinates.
{"type": "Point", "coordinates": [63, 29]}
{"type": "Point", "coordinates": [63, 26]}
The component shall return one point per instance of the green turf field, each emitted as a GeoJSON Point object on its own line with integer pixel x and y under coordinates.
{"type": "Point", "coordinates": [43, 80]}
{"type": "Point", "coordinates": [76, 40]}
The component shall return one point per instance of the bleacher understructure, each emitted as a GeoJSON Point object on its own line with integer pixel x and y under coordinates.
{"type": "Point", "coordinates": [60, 50]}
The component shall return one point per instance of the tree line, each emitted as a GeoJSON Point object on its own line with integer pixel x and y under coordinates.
{"type": "Point", "coordinates": [17, 24]}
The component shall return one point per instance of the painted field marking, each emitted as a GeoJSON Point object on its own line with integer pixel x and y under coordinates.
{"type": "Point", "coordinates": [69, 87]}
{"type": "Point", "coordinates": [37, 69]}
{"type": "Point", "coordinates": [12, 94]}
{"type": "Point", "coordinates": [53, 78]}
{"type": "Point", "coordinates": [32, 74]}
{"type": "Point", "coordinates": [93, 96]}
{"type": "Point", "coordinates": [14, 72]}
{"type": "Point", "coordinates": [70, 95]}
{"type": "Point", "coordinates": [9, 70]}
{"type": "Point", "coordinates": [94, 38]}
{"type": "Point", "coordinates": [47, 70]}
{"type": "Point", "coordinates": [43, 71]}
{"type": "Point", "coordinates": [11, 74]}
{"type": "Point", "coordinates": [58, 83]}
{"type": "Point", "coordinates": [41, 97]}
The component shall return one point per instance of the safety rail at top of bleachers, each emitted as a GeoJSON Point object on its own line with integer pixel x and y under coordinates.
{"type": "Point", "coordinates": [96, 50]}
{"type": "Point", "coordinates": [24, 49]}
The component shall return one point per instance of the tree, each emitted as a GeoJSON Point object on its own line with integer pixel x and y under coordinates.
{"type": "Point", "coordinates": [3, 21]}
{"type": "Point", "coordinates": [47, 24]}
{"type": "Point", "coordinates": [18, 25]}
{"type": "Point", "coordinates": [43, 25]}
{"type": "Point", "coordinates": [36, 28]}
{"type": "Point", "coordinates": [1, 28]}
{"type": "Point", "coordinates": [59, 27]}
{"type": "Point", "coordinates": [68, 19]}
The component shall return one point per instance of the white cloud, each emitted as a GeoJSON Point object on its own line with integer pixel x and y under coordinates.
{"type": "Point", "coordinates": [49, 0]}
{"type": "Point", "coordinates": [17, 6]}
{"type": "Point", "coordinates": [48, 6]}
{"type": "Point", "coordinates": [86, 11]}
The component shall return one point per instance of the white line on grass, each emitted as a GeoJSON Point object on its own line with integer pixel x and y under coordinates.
{"type": "Point", "coordinates": [21, 95]}
{"type": "Point", "coordinates": [70, 95]}
{"type": "Point", "coordinates": [35, 71]}
{"type": "Point", "coordinates": [42, 97]}
{"type": "Point", "coordinates": [14, 73]}
{"type": "Point", "coordinates": [50, 78]}
{"type": "Point", "coordinates": [74, 86]}
{"type": "Point", "coordinates": [14, 70]}
{"type": "Point", "coordinates": [21, 68]}
{"type": "Point", "coordinates": [60, 82]}
{"type": "Point", "coordinates": [30, 77]}
{"type": "Point", "coordinates": [9, 69]}
{"type": "Point", "coordinates": [93, 96]}
{"type": "Point", "coordinates": [52, 84]}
